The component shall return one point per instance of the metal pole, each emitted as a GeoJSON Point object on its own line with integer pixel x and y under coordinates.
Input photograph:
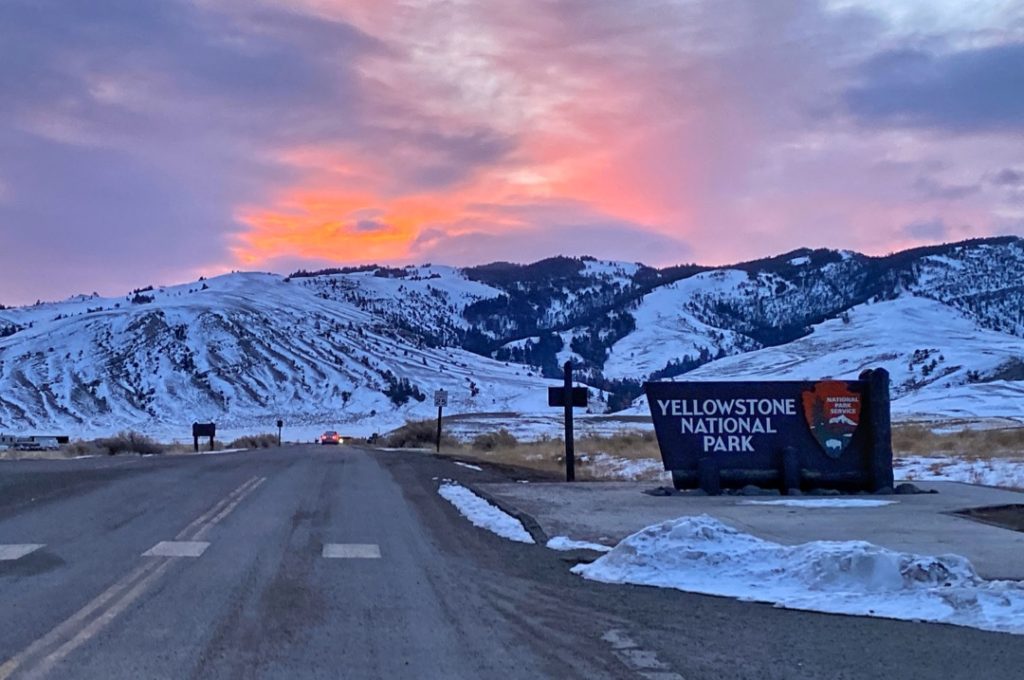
{"type": "Point", "coordinates": [570, 447]}
{"type": "Point", "coordinates": [439, 407]}
{"type": "Point", "coordinates": [279, 436]}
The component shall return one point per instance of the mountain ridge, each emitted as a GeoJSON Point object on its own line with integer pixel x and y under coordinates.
{"type": "Point", "coordinates": [247, 347]}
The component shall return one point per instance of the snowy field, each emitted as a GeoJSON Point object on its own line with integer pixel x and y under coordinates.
{"type": "Point", "coordinates": [1002, 472]}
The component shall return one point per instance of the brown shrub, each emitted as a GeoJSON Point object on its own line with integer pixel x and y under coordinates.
{"type": "Point", "coordinates": [129, 442]}
{"type": "Point", "coordinates": [417, 434]}
{"type": "Point", "coordinates": [254, 441]}
{"type": "Point", "coordinates": [489, 441]}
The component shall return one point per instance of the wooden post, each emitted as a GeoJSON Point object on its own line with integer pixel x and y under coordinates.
{"type": "Point", "coordinates": [439, 408]}
{"type": "Point", "coordinates": [879, 420]}
{"type": "Point", "coordinates": [709, 475]}
{"type": "Point", "coordinates": [570, 445]}
{"type": "Point", "coordinates": [790, 470]}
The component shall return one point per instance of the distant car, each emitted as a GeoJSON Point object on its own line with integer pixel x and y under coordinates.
{"type": "Point", "coordinates": [330, 438]}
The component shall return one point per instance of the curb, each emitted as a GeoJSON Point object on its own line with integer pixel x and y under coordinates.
{"type": "Point", "coordinates": [531, 525]}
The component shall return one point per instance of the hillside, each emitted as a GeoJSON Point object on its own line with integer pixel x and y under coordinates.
{"type": "Point", "coordinates": [363, 348]}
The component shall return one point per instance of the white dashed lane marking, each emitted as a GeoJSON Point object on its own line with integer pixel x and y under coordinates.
{"type": "Point", "coordinates": [15, 551]}
{"type": "Point", "coordinates": [644, 663]}
{"type": "Point", "coordinates": [177, 549]}
{"type": "Point", "coordinates": [365, 551]}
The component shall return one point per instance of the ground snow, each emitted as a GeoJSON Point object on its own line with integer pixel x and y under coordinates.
{"type": "Point", "coordinates": [482, 514]}
{"type": "Point", "coordinates": [606, 466]}
{"type": "Point", "coordinates": [822, 503]}
{"type": "Point", "coordinates": [566, 543]}
{"type": "Point", "coordinates": [469, 465]}
{"type": "Point", "coordinates": [703, 555]}
{"type": "Point", "coordinates": [1003, 472]}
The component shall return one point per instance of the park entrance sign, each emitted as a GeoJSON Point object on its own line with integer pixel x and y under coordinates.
{"type": "Point", "coordinates": [786, 435]}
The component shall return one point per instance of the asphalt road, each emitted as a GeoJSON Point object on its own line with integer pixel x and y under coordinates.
{"type": "Point", "coordinates": [244, 590]}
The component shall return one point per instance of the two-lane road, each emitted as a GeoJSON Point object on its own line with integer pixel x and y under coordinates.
{"type": "Point", "coordinates": [317, 562]}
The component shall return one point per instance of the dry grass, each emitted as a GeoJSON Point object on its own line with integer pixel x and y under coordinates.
{"type": "Point", "coordinates": [965, 443]}
{"type": "Point", "coordinates": [548, 455]}
{"type": "Point", "coordinates": [254, 441]}
{"type": "Point", "coordinates": [417, 434]}
{"type": "Point", "coordinates": [11, 454]}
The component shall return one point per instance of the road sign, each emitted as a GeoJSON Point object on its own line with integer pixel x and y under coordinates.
{"type": "Point", "coordinates": [556, 396]}
{"type": "Point", "coordinates": [440, 401]}
{"type": "Point", "coordinates": [787, 435]}
{"type": "Point", "coordinates": [203, 430]}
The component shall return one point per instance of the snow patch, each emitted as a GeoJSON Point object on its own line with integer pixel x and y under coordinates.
{"type": "Point", "coordinates": [606, 466]}
{"type": "Point", "coordinates": [566, 543]}
{"type": "Point", "coordinates": [470, 466]}
{"type": "Point", "coordinates": [1002, 472]}
{"type": "Point", "coordinates": [703, 555]}
{"type": "Point", "coordinates": [484, 515]}
{"type": "Point", "coordinates": [823, 503]}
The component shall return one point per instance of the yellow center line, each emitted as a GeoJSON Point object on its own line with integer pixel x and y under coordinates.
{"type": "Point", "coordinates": [68, 626]}
{"type": "Point", "coordinates": [216, 508]}
{"type": "Point", "coordinates": [201, 533]}
{"type": "Point", "coordinates": [84, 624]}
{"type": "Point", "coordinates": [99, 623]}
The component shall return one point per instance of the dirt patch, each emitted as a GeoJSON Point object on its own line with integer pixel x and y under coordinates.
{"type": "Point", "coordinates": [1005, 516]}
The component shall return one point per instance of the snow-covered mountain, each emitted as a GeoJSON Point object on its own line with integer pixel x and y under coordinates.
{"type": "Point", "coordinates": [364, 348]}
{"type": "Point", "coordinates": [241, 349]}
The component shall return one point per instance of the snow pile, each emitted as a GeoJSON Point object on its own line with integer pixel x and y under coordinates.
{"type": "Point", "coordinates": [823, 503]}
{"type": "Point", "coordinates": [1004, 472]}
{"type": "Point", "coordinates": [482, 514]}
{"type": "Point", "coordinates": [703, 555]}
{"type": "Point", "coordinates": [566, 543]}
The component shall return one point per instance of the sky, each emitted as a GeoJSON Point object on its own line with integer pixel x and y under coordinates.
{"type": "Point", "coordinates": [153, 142]}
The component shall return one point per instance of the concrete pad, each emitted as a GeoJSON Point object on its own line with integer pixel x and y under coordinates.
{"type": "Point", "coordinates": [177, 549]}
{"type": "Point", "coordinates": [364, 551]}
{"type": "Point", "coordinates": [607, 512]}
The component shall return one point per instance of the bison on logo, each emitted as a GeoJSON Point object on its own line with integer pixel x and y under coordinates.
{"type": "Point", "coordinates": [833, 413]}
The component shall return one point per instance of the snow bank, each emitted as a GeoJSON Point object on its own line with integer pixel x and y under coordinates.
{"type": "Point", "coordinates": [482, 514]}
{"type": "Point", "coordinates": [703, 555]}
{"type": "Point", "coordinates": [566, 543]}
{"type": "Point", "coordinates": [822, 503]}
{"type": "Point", "coordinates": [1003, 472]}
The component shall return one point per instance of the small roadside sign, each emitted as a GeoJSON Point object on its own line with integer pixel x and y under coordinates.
{"type": "Point", "coordinates": [568, 397]}
{"type": "Point", "coordinates": [440, 401]}
{"type": "Point", "coordinates": [556, 396]}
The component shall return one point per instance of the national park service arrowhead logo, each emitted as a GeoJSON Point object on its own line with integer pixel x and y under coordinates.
{"type": "Point", "coordinates": [833, 413]}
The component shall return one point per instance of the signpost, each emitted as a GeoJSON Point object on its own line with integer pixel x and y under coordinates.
{"type": "Point", "coordinates": [440, 401]}
{"type": "Point", "coordinates": [787, 435]}
{"type": "Point", "coordinates": [568, 397]}
{"type": "Point", "coordinates": [203, 430]}
{"type": "Point", "coordinates": [280, 425]}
